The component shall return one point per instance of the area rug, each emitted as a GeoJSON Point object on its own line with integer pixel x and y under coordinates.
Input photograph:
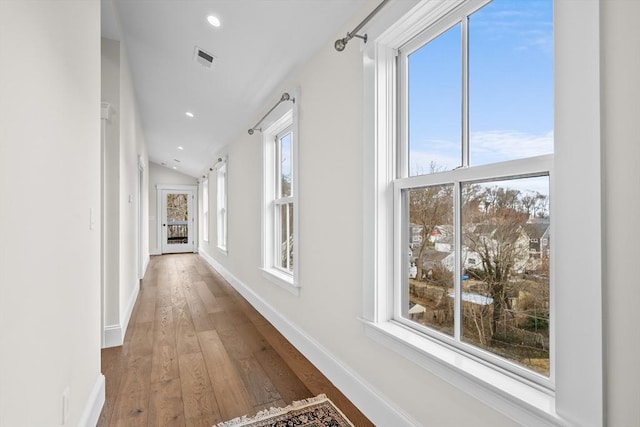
{"type": "Point", "coordinates": [317, 411]}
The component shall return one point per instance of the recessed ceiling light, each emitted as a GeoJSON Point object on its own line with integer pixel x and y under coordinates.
{"type": "Point", "coordinates": [175, 167]}
{"type": "Point", "coordinates": [213, 20]}
{"type": "Point", "coordinates": [180, 147]}
{"type": "Point", "coordinates": [189, 114]}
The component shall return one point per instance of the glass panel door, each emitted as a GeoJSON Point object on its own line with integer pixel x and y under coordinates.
{"type": "Point", "coordinates": [177, 221]}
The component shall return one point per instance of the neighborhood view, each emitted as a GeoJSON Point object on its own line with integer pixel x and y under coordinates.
{"type": "Point", "coordinates": [177, 219]}
{"type": "Point", "coordinates": [504, 264]}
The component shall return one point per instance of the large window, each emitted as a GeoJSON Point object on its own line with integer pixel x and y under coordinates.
{"type": "Point", "coordinates": [221, 179]}
{"type": "Point", "coordinates": [476, 104]}
{"type": "Point", "coordinates": [280, 214]}
{"type": "Point", "coordinates": [480, 165]}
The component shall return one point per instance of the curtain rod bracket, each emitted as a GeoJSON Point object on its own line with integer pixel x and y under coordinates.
{"type": "Point", "coordinates": [340, 44]}
{"type": "Point", "coordinates": [285, 97]}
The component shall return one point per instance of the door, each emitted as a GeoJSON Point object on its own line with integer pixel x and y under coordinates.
{"type": "Point", "coordinates": [177, 221]}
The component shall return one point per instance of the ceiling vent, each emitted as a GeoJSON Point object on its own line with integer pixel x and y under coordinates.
{"type": "Point", "coordinates": [203, 58]}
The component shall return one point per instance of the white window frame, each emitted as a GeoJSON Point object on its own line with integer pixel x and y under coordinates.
{"type": "Point", "coordinates": [575, 186]}
{"type": "Point", "coordinates": [466, 173]}
{"type": "Point", "coordinates": [222, 216]}
{"type": "Point", "coordinates": [282, 119]}
{"type": "Point", "coordinates": [205, 209]}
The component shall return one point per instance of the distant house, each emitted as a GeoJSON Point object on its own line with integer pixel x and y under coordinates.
{"type": "Point", "coordinates": [538, 234]}
{"type": "Point", "coordinates": [432, 260]}
{"type": "Point", "coordinates": [415, 235]}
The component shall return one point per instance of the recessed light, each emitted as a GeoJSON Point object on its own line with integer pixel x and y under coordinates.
{"type": "Point", "coordinates": [180, 147]}
{"type": "Point", "coordinates": [175, 167]}
{"type": "Point", "coordinates": [213, 20]}
{"type": "Point", "coordinates": [189, 114]}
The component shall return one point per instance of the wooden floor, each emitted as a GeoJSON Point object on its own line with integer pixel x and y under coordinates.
{"type": "Point", "coordinates": [196, 353]}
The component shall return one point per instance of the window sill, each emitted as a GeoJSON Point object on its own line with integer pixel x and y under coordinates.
{"type": "Point", "coordinates": [281, 279]}
{"type": "Point", "coordinates": [516, 399]}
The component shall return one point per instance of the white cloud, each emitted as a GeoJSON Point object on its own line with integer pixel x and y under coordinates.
{"type": "Point", "coordinates": [485, 147]}
{"type": "Point", "coordinates": [495, 146]}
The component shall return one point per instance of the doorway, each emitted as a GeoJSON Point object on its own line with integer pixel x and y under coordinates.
{"type": "Point", "coordinates": [177, 220]}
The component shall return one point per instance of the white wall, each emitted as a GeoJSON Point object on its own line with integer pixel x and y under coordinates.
{"type": "Point", "coordinates": [110, 80]}
{"type": "Point", "coordinates": [160, 175]}
{"type": "Point", "coordinates": [125, 235]}
{"type": "Point", "coordinates": [621, 141]}
{"type": "Point", "coordinates": [133, 153]}
{"type": "Point", "coordinates": [330, 212]}
{"type": "Point", "coordinates": [49, 184]}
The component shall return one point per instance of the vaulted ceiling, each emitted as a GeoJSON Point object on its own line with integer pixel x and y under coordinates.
{"type": "Point", "coordinates": [257, 46]}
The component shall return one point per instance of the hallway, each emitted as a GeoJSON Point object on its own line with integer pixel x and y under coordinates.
{"type": "Point", "coordinates": [196, 353]}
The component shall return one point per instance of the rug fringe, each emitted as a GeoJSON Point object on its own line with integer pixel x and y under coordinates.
{"type": "Point", "coordinates": [266, 413]}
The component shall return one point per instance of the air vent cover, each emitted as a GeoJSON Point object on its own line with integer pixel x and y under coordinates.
{"type": "Point", "coordinates": [203, 58]}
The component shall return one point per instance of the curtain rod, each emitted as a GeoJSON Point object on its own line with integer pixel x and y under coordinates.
{"type": "Point", "coordinates": [285, 97]}
{"type": "Point", "coordinates": [340, 44]}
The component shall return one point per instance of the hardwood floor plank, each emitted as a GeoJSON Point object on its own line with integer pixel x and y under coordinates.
{"type": "Point", "coordinates": [186, 339]}
{"type": "Point", "coordinates": [257, 383]}
{"type": "Point", "coordinates": [112, 361]}
{"type": "Point", "coordinates": [197, 394]}
{"type": "Point", "coordinates": [132, 399]}
{"type": "Point", "coordinates": [165, 404]}
{"type": "Point", "coordinates": [147, 305]}
{"type": "Point", "coordinates": [208, 299]}
{"type": "Point", "coordinates": [289, 386]}
{"type": "Point", "coordinates": [231, 394]}
{"type": "Point", "coordinates": [164, 364]}
{"type": "Point", "coordinates": [199, 314]}
{"type": "Point", "coordinates": [141, 343]}
{"type": "Point", "coordinates": [164, 329]}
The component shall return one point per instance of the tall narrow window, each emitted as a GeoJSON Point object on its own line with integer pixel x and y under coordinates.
{"type": "Point", "coordinates": [205, 210]}
{"type": "Point", "coordinates": [221, 178]}
{"type": "Point", "coordinates": [472, 187]}
{"type": "Point", "coordinates": [280, 211]}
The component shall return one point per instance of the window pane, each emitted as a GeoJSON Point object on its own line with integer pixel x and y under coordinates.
{"type": "Point", "coordinates": [434, 105]}
{"type": "Point", "coordinates": [285, 224]}
{"type": "Point", "coordinates": [511, 81]}
{"type": "Point", "coordinates": [505, 259]}
{"type": "Point", "coordinates": [285, 165]}
{"type": "Point", "coordinates": [177, 219]}
{"type": "Point", "coordinates": [430, 257]}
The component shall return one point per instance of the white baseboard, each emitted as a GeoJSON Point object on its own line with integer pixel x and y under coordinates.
{"type": "Point", "coordinates": [114, 334]}
{"type": "Point", "coordinates": [369, 400]}
{"type": "Point", "coordinates": [145, 265]}
{"type": "Point", "coordinates": [155, 252]}
{"type": "Point", "coordinates": [132, 302]}
{"type": "Point", "coordinates": [93, 407]}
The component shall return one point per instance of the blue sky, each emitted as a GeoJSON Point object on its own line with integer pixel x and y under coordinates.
{"type": "Point", "coordinates": [511, 88]}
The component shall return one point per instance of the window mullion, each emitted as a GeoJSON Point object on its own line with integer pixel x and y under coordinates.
{"type": "Point", "coordinates": [457, 269]}
{"type": "Point", "coordinates": [465, 91]}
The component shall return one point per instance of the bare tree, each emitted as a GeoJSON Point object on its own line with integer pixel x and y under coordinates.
{"type": "Point", "coordinates": [499, 242]}
{"type": "Point", "coordinates": [429, 207]}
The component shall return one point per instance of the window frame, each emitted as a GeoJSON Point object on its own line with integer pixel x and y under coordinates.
{"type": "Point", "coordinates": [222, 215]}
{"type": "Point", "coordinates": [283, 119]}
{"type": "Point", "coordinates": [205, 209]}
{"type": "Point", "coordinates": [577, 304]}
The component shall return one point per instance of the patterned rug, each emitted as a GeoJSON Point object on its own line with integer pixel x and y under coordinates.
{"type": "Point", "coordinates": [318, 411]}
